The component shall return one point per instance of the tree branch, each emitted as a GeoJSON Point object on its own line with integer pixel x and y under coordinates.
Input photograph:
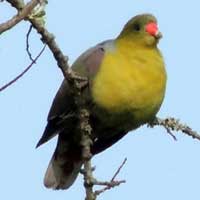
{"type": "Point", "coordinates": [172, 124]}
{"type": "Point", "coordinates": [86, 142]}
{"type": "Point", "coordinates": [27, 43]}
{"type": "Point", "coordinates": [22, 14]}
{"type": "Point", "coordinates": [23, 72]}
{"type": "Point", "coordinates": [49, 39]}
{"type": "Point", "coordinates": [112, 183]}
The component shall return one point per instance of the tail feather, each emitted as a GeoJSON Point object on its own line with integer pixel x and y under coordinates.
{"type": "Point", "coordinates": [57, 177]}
{"type": "Point", "coordinates": [64, 166]}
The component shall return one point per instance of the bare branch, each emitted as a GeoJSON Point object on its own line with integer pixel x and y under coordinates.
{"type": "Point", "coordinates": [27, 43]}
{"type": "Point", "coordinates": [22, 73]}
{"type": "Point", "coordinates": [86, 142]}
{"type": "Point", "coordinates": [19, 17]}
{"type": "Point", "coordinates": [108, 186]}
{"type": "Point", "coordinates": [172, 124]}
{"type": "Point", "coordinates": [112, 183]}
{"type": "Point", "coordinates": [49, 39]}
{"type": "Point", "coordinates": [119, 169]}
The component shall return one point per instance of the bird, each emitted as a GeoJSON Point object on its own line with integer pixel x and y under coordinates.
{"type": "Point", "coordinates": [127, 83]}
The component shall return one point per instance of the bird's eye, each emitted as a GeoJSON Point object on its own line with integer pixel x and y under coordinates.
{"type": "Point", "coordinates": [136, 27]}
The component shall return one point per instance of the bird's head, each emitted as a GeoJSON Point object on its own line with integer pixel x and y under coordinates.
{"type": "Point", "coordinates": [142, 29]}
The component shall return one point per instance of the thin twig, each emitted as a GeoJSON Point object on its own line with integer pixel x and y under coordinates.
{"type": "Point", "coordinates": [49, 39]}
{"type": "Point", "coordinates": [119, 169]}
{"type": "Point", "coordinates": [108, 186]}
{"type": "Point", "coordinates": [112, 183]}
{"type": "Point", "coordinates": [23, 72]}
{"type": "Point", "coordinates": [22, 14]}
{"type": "Point", "coordinates": [27, 43]}
{"type": "Point", "coordinates": [172, 124]}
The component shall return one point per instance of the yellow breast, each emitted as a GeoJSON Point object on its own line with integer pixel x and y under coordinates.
{"type": "Point", "coordinates": [130, 78]}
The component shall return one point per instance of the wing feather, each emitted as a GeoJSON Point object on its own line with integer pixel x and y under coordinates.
{"type": "Point", "coordinates": [62, 113]}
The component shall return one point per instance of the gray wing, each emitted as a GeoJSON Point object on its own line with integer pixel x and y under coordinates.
{"type": "Point", "coordinates": [63, 112]}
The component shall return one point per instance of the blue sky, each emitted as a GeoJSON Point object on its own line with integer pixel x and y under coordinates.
{"type": "Point", "coordinates": [157, 166]}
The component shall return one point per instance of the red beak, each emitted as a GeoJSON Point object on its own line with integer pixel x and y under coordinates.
{"type": "Point", "coordinates": [152, 29]}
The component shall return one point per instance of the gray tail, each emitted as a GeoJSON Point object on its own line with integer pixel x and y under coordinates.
{"type": "Point", "coordinates": [64, 166]}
